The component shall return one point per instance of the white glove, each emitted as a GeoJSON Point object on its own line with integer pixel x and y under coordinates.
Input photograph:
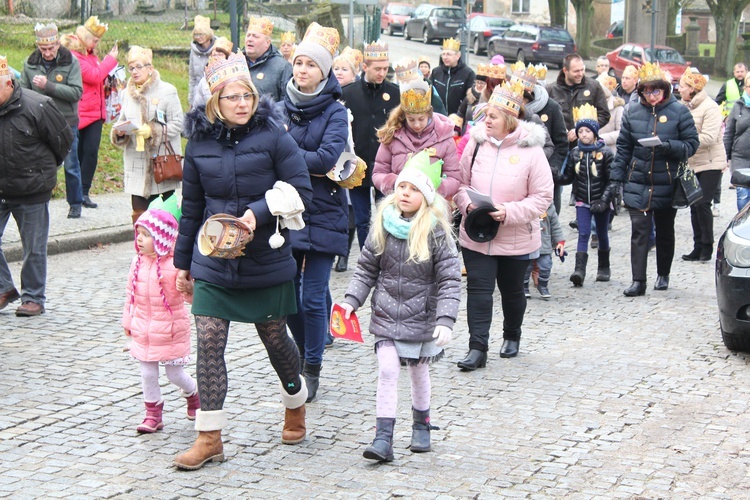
{"type": "Point", "coordinates": [348, 309]}
{"type": "Point", "coordinates": [443, 334]}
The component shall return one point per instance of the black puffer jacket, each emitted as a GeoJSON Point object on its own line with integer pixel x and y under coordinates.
{"type": "Point", "coordinates": [34, 140]}
{"type": "Point", "coordinates": [228, 171]}
{"type": "Point", "coordinates": [452, 84]}
{"type": "Point", "coordinates": [589, 172]}
{"type": "Point", "coordinates": [589, 91]}
{"type": "Point", "coordinates": [648, 173]}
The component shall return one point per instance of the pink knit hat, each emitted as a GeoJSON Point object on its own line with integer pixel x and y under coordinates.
{"type": "Point", "coordinates": [163, 228]}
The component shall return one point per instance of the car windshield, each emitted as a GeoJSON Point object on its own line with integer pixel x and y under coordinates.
{"type": "Point", "coordinates": [400, 10]}
{"type": "Point", "coordinates": [494, 22]}
{"type": "Point", "coordinates": [555, 36]}
{"type": "Point", "coordinates": [665, 56]}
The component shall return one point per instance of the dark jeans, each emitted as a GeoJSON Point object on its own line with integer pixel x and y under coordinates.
{"type": "Point", "coordinates": [700, 212]}
{"type": "Point", "coordinates": [584, 215]}
{"type": "Point", "coordinates": [33, 226]}
{"type": "Point", "coordinates": [544, 261]}
{"type": "Point", "coordinates": [73, 190]}
{"type": "Point", "coordinates": [483, 271]}
{"type": "Point", "coordinates": [641, 225]}
{"type": "Point", "coordinates": [89, 139]}
{"type": "Point", "coordinates": [360, 197]}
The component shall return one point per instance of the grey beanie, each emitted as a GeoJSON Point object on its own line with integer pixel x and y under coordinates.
{"type": "Point", "coordinates": [317, 53]}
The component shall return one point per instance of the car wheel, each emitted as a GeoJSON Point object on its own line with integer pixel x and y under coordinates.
{"type": "Point", "coordinates": [491, 49]}
{"type": "Point", "coordinates": [390, 30]}
{"type": "Point", "coordinates": [520, 57]}
{"type": "Point", "coordinates": [477, 50]}
{"type": "Point", "coordinates": [425, 37]}
{"type": "Point", "coordinates": [735, 342]}
{"type": "Point", "coordinates": [406, 34]}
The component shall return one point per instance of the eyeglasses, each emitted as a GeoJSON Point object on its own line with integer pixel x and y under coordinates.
{"type": "Point", "coordinates": [654, 92]}
{"type": "Point", "coordinates": [235, 98]}
{"type": "Point", "coordinates": [137, 67]}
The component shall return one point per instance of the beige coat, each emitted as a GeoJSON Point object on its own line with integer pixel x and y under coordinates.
{"type": "Point", "coordinates": [140, 106]}
{"type": "Point", "coordinates": [611, 130]}
{"type": "Point", "coordinates": [707, 115]}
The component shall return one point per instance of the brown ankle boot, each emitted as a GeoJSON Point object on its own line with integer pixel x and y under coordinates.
{"type": "Point", "coordinates": [294, 418]}
{"type": "Point", "coordinates": [207, 448]}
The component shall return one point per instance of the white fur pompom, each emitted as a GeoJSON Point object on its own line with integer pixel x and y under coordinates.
{"type": "Point", "coordinates": [276, 240]}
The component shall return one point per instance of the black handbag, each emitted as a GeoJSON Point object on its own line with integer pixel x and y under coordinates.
{"type": "Point", "coordinates": [687, 189]}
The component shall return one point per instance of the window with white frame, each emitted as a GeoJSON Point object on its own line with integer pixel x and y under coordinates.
{"type": "Point", "coordinates": [521, 6]}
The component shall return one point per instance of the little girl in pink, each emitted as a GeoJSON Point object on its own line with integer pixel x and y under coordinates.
{"type": "Point", "coordinates": [156, 318]}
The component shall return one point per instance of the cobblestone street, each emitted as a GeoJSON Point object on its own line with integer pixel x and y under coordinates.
{"type": "Point", "coordinates": [610, 397]}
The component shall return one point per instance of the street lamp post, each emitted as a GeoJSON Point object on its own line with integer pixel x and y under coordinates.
{"type": "Point", "coordinates": [649, 7]}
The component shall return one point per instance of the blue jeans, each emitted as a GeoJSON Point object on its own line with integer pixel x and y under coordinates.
{"type": "Point", "coordinates": [310, 324]}
{"type": "Point", "coordinates": [33, 226]}
{"type": "Point", "coordinates": [743, 197]}
{"type": "Point", "coordinates": [584, 216]}
{"type": "Point", "coordinates": [544, 261]}
{"type": "Point", "coordinates": [73, 189]}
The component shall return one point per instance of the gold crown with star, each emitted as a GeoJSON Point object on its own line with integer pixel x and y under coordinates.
{"type": "Point", "coordinates": [94, 27]}
{"type": "Point", "coordinates": [46, 33]}
{"type": "Point", "coordinates": [585, 112]}
{"type": "Point", "coordinates": [220, 72]}
{"type": "Point", "coordinates": [416, 96]}
{"type": "Point", "coordinates": [376, 51]}
{"type": "Point", "coordinates": [650, 73]}
{"type": "Point", "coordinates": [4, 70]}
{"type": "Point", "coordinates": [508, 96]}
{"type": "Point", "coordinates": [328, 38]}
{"type": "Point", "coordinates": [452, 44]}
{"type": "Point", "coordinates": [261, 25]}
{"type": "Point", "coordinates": [492, 71]}
{"type": "Point", "coordinates": [407, 70]}
{"type": "Point", "coordinates": [354, 55]}
{"type": "Point", "coordinates": [527, 76]}
{"type": "Point", "coordinates": [289, 37]}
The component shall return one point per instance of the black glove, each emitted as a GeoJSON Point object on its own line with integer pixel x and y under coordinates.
{"type": "Point", "coordinates": [598, 206]}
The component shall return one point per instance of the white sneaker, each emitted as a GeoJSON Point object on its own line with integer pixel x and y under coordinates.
{"type": "Point", "coordinates": [715, 210]}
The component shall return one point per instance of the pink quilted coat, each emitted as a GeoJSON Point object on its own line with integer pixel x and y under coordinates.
{"type": "Point", "coordinates": [391, 158]}
{"type": "Point", "coordinates": [157, 334]}
{"type": "Point", "coordinates": [91, 107]}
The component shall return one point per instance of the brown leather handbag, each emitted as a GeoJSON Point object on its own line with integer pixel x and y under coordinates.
{"type": "Point", "coordinates": [167, 165]}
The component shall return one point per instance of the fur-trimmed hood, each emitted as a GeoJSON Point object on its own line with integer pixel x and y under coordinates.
{"type": "Point", "coordinates": [527, 135]}
{"type": "Point", "coordinates": [197, 126]}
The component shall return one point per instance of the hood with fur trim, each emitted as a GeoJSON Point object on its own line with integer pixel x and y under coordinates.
{"type": "Point", "coordinates": [198, 127]}
{"type": "Point", "coordinates": [527, 135]}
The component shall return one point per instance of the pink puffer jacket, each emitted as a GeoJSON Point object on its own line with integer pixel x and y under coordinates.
{"type": "Point", "coordinates": [157, 334]}
{"type": "Point", "coordinates": [391, 158]}
{"type": "Point", "coordinates": [515, 175]}
{"type": "Point", "coordinates": [91, 107]}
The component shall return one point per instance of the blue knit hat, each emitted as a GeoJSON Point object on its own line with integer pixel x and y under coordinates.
{"type": "Point", "coordinates": [590, 124]}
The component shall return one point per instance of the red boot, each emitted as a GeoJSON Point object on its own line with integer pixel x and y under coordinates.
{"type": "Point", "coordinates": [152, 422]}
{"type": "Point", "coordinates": [193, 403]}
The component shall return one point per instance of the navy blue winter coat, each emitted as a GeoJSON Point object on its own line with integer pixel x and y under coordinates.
{"type": "Point", "coordinates": [320, 127]}
{"type": "Point", "coordinates": [648, 173]}
{"type": "Point", "coordinates": [228, 171]}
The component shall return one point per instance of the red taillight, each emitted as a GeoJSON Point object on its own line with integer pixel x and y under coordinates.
{"type": "Point", "coordinates": [487, 33]}
{"type": "Point", "coordinates": [610, 35]}
{"type": "Point", "coordinates": [575, 49]}
{"type": "Point", "coordinates": [535, 46]}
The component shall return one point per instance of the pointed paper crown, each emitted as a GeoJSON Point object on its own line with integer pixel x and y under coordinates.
{"type": "Point", "coordinates": [328, 38]}
{"type": "Point", "coordinates": [508, 97]}
{"type": "Point", "coordinates": [376, 51]}
{"type": "Point", "coordinates": [407, 70]}
{"type": "Point", "coordinates": [289, 37]}
{"type": "Point", "coordinates": [492, 71]}
{"type": "Point", "coordinates": [541, 72]}
{"type": "Point", "coordinates": [451, 44]}
{"type": "Point", "coordinates": [171, 205]}
{"type": "Point", "coordinates": [137, 53]}
{"type": "Point", "coordinates": [260, 24]}
{"type": "Point", "coordinates": [421, 162]}
{"type": "Point", "coordinates": [219, 72]}
{"type": "Point", "coordinates": [355, 56]}
{"type": "Point", "coordinates": [416, 96]}
{"type": "Point", "coordinates": [94, 27]}
{"type": "Point", "coordinates": [695, 80]}
{"type": "Point", "coordinates": [650, 73]}
{"type": "Point", "coordinates": [585, 112]}
{"type": "Point", "coordinates": [4, 70]}
{"type": "Point", "coordinates": [202, 25]}
{"type": "Point", "coordinates": [46, 33]}
{"type": "Point", "coordinates": [526, 76]}
{"type": "Point", "coordinates": [224, 44]}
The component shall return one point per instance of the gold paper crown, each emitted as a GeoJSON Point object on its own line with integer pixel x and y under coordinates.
{"type": "Point", "coordinates": [289, 37]}
{"type": "Point", "coordinates": [695, 80]}
{"type": "Point", "coordinates": [223, 43]}
{"type": "Point", "coordinates": [541, 72]}
{"type": "Point", "coordinates": [609, 82]}
{"type": "Point", "coordinates": [260, 24]}
{"type": "Point", "coordinates": [451, 44]}
{"type": "Point", "coordinates": [4, 70]}
{"type": "Point", "coordinates": [94, 27]}
{"type": "Point", "coordinates": [509, 97]}
{"type": "Point", "coordinates": [137, 53]}
{"type": "Point", "coordinates": [202, 25]}
{"type": "Point", "coordinates": [46, 33]}
{"type": "Point", "coordinates": [407, 70]}
{"type": "Point", "coordinates": [416, 97]}
{"type": "Point", "coordinates": [650, 73]}
{"type": "Point", "coordinates": [220, 72]}
{"type": "Point", "coordinates": [492, 71]}
{"type": "Point", "coordinates": [585, 112]}
{"type": "Point", "coordinates": [354, 55]}
{"type": "Point", "coordinates": [328, 38]}
{"type": "Point", "coordinates": [376, 51]}
{"type": "Point", "coordinates": [526, 76]}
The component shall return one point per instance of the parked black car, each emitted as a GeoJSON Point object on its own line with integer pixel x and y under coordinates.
{"type": "Point", "coordinates": [615, 29]}
{"type": "Point", "coordinates": [733, 275]}
{"type": "Point", "coordinates": [434, 21]}
{"type": "Point", "coordinates": [482, 27]}
{"type": "Point", "coordinates": [530, 43]}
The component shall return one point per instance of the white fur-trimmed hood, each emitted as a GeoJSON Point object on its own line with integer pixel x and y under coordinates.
{"type": "Point", "coordinates": [527, 135]}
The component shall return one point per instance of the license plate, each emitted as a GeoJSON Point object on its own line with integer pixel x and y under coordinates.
{"type": "Point", "coordinates": [451, 25]}
{"type": "Point", "coordinates": [556, 48]}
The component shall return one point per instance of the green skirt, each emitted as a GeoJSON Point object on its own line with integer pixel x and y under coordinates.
{"type": "Point", "coordinates": [246, 305]}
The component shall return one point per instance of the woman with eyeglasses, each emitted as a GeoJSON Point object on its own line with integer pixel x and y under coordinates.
{"type": "Point", "coordinates": [237, 152]}
{"type": "Point", "coordinates": [318, 122]}
{"type": "Point", "coordinates": [200, 49]}
{"type": "Point", "coordinates": [648, 172]}
{"type": "Point", "coordinates": [151, 108]}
